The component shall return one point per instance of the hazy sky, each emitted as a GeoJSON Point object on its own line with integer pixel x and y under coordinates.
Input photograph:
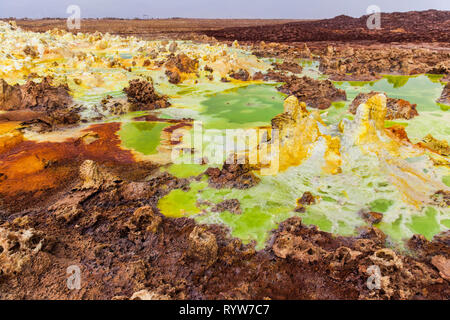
{"type": "Point", "coordinates": [210, 8]}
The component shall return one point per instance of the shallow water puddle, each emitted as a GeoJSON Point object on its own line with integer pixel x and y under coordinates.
{"type": "Point", "coordinates": [142, 136]}
{"type": "Point", "coordinates": [243, 107]}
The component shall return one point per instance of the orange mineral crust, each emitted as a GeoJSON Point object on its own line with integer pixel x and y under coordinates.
{"type": "Point", "coordinates": [32, 166]}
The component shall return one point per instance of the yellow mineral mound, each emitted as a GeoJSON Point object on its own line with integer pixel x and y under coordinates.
{"type": "Point", "coordinates": [299, 133]}
{"type": "Point", "coordinates": [368, 133]}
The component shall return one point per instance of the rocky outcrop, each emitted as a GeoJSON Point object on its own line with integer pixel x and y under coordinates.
{"type": "Point", "coordinates": [174, 76]}
{"type": "Point", "coordinates": [239, 176]}
{"type": "Point", "coordinates": [231, 205]}
{"type": "Point", "coordinates": [288, 66]}
{"type": "Point", "coordinates": [42, 96]}
{"type": "Point", "coordinates": [371, 217]}
{"type": "Point", "coordinates": [383, 273]}
{"type": "Point", "coordinates": [282, 50]}
{"type": "Point", "coordinates": [396, 108]}
{"type": "Point", "coordinates": [306, 199]}
{"type": "Point", "coordinates": [241, 74]}
{"type": "Point", "coordinates": [144, 219]}
{"type": "Point", "coordinates": [17, 248]}
{"type": "Point", "coordinates": [142, 95]}
{"type": "Point", "coordinates": [439, 146]}
{"type": "Point", "coordinates": [443, 265]}
{"type": "Point", "coordinates": [39, 103]}
{"type": "Point", "coordinates": [94, 177]}
{"type": "Point", "coordinates": [182, 63]}
{"type": "Point", "coordinates": [202, 246]}
{"type": "Point", "coordinates": [445, 95]}
{"type": "Point", "coordinates": [315, 93]}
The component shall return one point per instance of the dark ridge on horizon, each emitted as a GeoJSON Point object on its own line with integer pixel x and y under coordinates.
{"type": "Point", "coordinates": [416, 26]}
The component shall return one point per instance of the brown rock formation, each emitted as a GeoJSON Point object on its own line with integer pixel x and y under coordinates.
{"type": "Point", "coordinates": [202, 246]}
{"type": "Point", "coordinates": [445, 95]}
{"type": "Point", "coordinates": [288, 66]}
{"type": "Point", "coordinates": [241, 74]}
{"type": "Point", "coordinates": [315, 93]}
{"type": "Point", "coordinates": [142, 95]}
{"type": "Point", "coordinates": [42, 96]}
{"type": "Point", "coordinates": [396, 108]}
{"type": "Point", "coordinates": [237, 176]}
{"type": "Point", "coordinates": [182, 63]}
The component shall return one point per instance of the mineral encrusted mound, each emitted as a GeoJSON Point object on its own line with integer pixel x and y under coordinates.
{"type": "Point", "coordinates": [288, 66]}
{"type": "Point", "coordinates": [241, 74]}
{"type": "Point", "coordinates": [42, 96]}
{"type": "Point", "coordinates": [445, 95]}
{"type": "Point", "coordinates": [38, 103]}
{"type": "Point", "coordinates": [17, 248]}
{"type": "Point", "coordinates": [202, 246]}
{"type": "Point", "coordinates": [142, 95]}
{"type": "Point", "coordinates": [182, 63]}
{"type": "Point", "coordinates": [315, 93]}
{"type": "Point", "coordinates": [439, 146]}
{"type": "Point", "coordinates": [231, 205]}
{"type": "Point", "coordinates": [144, 219]}
{"type": "Point", "coordinates": [396, 108]}
{"type": "Point", "coordinates": [239, 176]}
{"type": "Point", "coordinates": [174, 76]}
{"type": "Point", "coordinates": [306, 199]}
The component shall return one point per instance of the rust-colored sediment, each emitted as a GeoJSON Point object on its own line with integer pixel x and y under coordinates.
{"type": "Point", "coordinates": [32, 166]}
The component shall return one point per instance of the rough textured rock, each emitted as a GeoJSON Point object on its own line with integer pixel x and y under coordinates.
{"type": "Point", "coordinates": [145, 219]}
{"type": "Point", "coordinates": [41, 105]}
{"type": "Point", "coordinates": [148, 295]}
{"type": "Point", "coordinates": [174, 76]}
{"type": "Point", "coordinates": [445, 95]}
{"type": "Point", "coordinates": [306, 199]}
{"type": "Point", "coordinates": [17, 248]}
{"type": "Point", "coordinates": [396, 108]}
{"type": "Point", "coordinates": [371, 216]}
{"type": "Point", "coordinates": [42, 96]}
{"type": "Point", "coordinates": [436, 145]}
{"type": "Point", "coordinates": [237, 176]}
{"type": "Point", "coordinates": [94, 177]}
{"type": "Point", "coordinates": [142, 95]}
{"type": "Point", "coordinates": [295, 247]}
{"type": "Point", "coordinates": [202, 246]}
{"type": "Point", "coordinates": [441, 198]}
{"type": "Point", "coordinates": [315, 93]}
{"type": "Point", "coordinates": [399, 277]}
{"type": "Point", "coordinates": [443, 265]}
{"type": "Point", "coordinates": [412, 26]}
{"type": "Point", "coordinates": [231, 205]}
{"type": "Point", "coordinates": [241, 74]}
{"type": "Point", "coordinates": [182, 63]}
{"type": "Point", "coordinates": [346, 63]}
{"type": "Point", "coordinates": [288, 66]}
